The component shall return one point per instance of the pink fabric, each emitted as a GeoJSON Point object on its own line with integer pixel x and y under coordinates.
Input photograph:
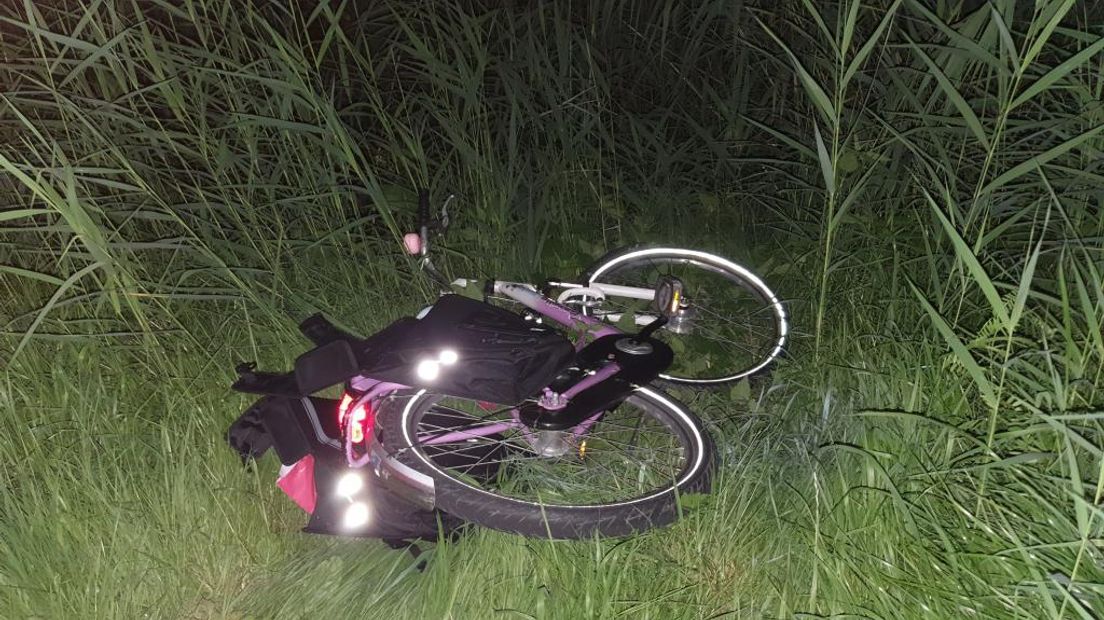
{"type": "Point", "coordinates": [298, 483]}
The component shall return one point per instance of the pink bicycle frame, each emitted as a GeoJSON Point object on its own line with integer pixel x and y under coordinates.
{"type": "Point", "coordinates": [591, 328]}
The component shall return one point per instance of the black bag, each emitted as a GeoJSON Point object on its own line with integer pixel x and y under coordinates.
{"type": "Point", "coordinates": [394, 519]}
{"type": "Point", "coordinates": [501, 357]}
{"type": "Point", "coordinates": [300, 428]}
{"type": "Point", "coordinates": [497, 356]}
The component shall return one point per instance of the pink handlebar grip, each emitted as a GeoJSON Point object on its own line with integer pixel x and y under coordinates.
{"type": "Point", "coordinates": [413, 243]}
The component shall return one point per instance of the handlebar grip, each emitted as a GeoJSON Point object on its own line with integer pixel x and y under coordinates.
{"type": "Point", "coordinates": [423, 209]}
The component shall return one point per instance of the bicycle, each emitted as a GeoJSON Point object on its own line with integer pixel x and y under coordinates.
{"type": "Point", "coordinates": [535, 409]}
{"type": "Point", "coordinates": [579, 428]}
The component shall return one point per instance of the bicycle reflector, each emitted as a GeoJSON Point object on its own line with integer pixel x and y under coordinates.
{"type": "Point", "coordinates": [349, 484]}
{"type": "Point", "coordinates": [348, 487]}
{"type": "Point", "coordinates": [356, 418]}
{"type": "Point", "coordinates": [428, 370]}
{"type": "Point", "coordinates": [356, 515]}
{"type": "Point", "coordinates": [343, 409]}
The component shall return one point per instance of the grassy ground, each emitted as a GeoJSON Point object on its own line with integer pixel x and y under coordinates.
{"type": "Point", "coordinates": [183, 181]}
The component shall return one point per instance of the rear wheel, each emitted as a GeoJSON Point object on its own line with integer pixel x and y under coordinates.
{"type": "Point", "coordinates": [729, 326]}
{"type": "Point", "coordinates": [624, 474]}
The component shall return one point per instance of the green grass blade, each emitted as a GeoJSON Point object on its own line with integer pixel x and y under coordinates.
{"type": "Point", "coordinates": [961, 354]}
{"type": "Point", "coordinates": [1007, 43]}
{"type": "Point", "coordinates": [815, 91]}
{"type": "Point", "coordinates": [1040, 160]}
{"type": "Point", "coordinates": [1024, 288]}
{"type": "Point", "coordinates": [53, 37]}
{"type": "Point", "coordinates": [849, 24]}
{"type": "Point", "coordinates": [827, 170]}
{"type": "Point", "coordinates": [1059, 72]}
{"type": "Point", "coordinates": [16, 214]}
{"type": "Point", "coordinates": [826, 34]}
{"type": "Point", "coordinates": [92, 58]}
{"type": "Point", "coordinates": [970, 260]}
{"type": "Point", "coordinates": [864, 52]}
{"type": "Point", "coordinates": [49, 305]}
{"type": "Point", "coordinates": [34, 275]}
{"type": "Point", "coordinates": [967, 44]}
{"type": "Point", "coordinates": [1060, 11]}
{"type": "Point", "coordinates": [956, 98]}
{"type": "Point", "coordinates": [786, 139]}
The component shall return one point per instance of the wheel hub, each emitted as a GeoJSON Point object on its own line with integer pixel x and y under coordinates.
{"type": "Point", "coordinates": [682, 322]}
{"type": "Point", "coordinates": [551, 443]}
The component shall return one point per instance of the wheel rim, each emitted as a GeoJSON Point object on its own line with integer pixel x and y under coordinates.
{"type": "Point", "coordinates": [739, 327]}
{"type": "Point", "coordinates": [637, 452]}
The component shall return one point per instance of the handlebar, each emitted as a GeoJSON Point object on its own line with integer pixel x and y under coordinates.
{"type": "Point", "coordinates": [425, 225]}
{"type": "Point", "coordinates": [424, 219]}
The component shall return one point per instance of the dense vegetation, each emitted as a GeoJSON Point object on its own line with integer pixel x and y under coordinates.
{"type": "Point", "coordinates": [183, 181]}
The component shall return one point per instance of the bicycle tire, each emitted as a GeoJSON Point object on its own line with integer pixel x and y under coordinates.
{"type": "Point", "coordinates": [461, 498]}
{"type": "Point", "coordinates": [769, 345]}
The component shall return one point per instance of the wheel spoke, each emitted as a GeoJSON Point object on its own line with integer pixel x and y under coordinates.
{"type": "Point", "coordinates": [734, 319]}
{"type": "Point", "coordinates": [630, 451]}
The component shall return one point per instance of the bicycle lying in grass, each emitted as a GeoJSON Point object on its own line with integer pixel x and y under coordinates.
{"type": "Point", "coordinates": [532, 409]}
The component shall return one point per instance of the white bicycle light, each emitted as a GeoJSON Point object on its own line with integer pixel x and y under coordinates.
{"type": "Point", "coordinates": [448, 357]}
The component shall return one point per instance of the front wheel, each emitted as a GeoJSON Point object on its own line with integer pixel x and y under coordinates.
{"type": "Point", "coordinates": [730, 325]}
{"type": "Point", "coordinates": [623, 474]}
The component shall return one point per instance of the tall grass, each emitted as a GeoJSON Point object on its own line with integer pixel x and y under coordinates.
{"type": "Point", "coordinates": [183, 181]}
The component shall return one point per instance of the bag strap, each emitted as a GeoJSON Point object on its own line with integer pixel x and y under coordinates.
{"type": "Point", "coordinates": [319, 330]}
{"type": "Point", "coordinates": [411, 546]}
{"type": "Point", "coordinates": [253, 381]}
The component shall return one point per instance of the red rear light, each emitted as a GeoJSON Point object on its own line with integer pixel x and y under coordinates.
{"type": "Point", "coordinates": [357, 420]}
{"type": "Point", "coordinates": [360, 423]}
